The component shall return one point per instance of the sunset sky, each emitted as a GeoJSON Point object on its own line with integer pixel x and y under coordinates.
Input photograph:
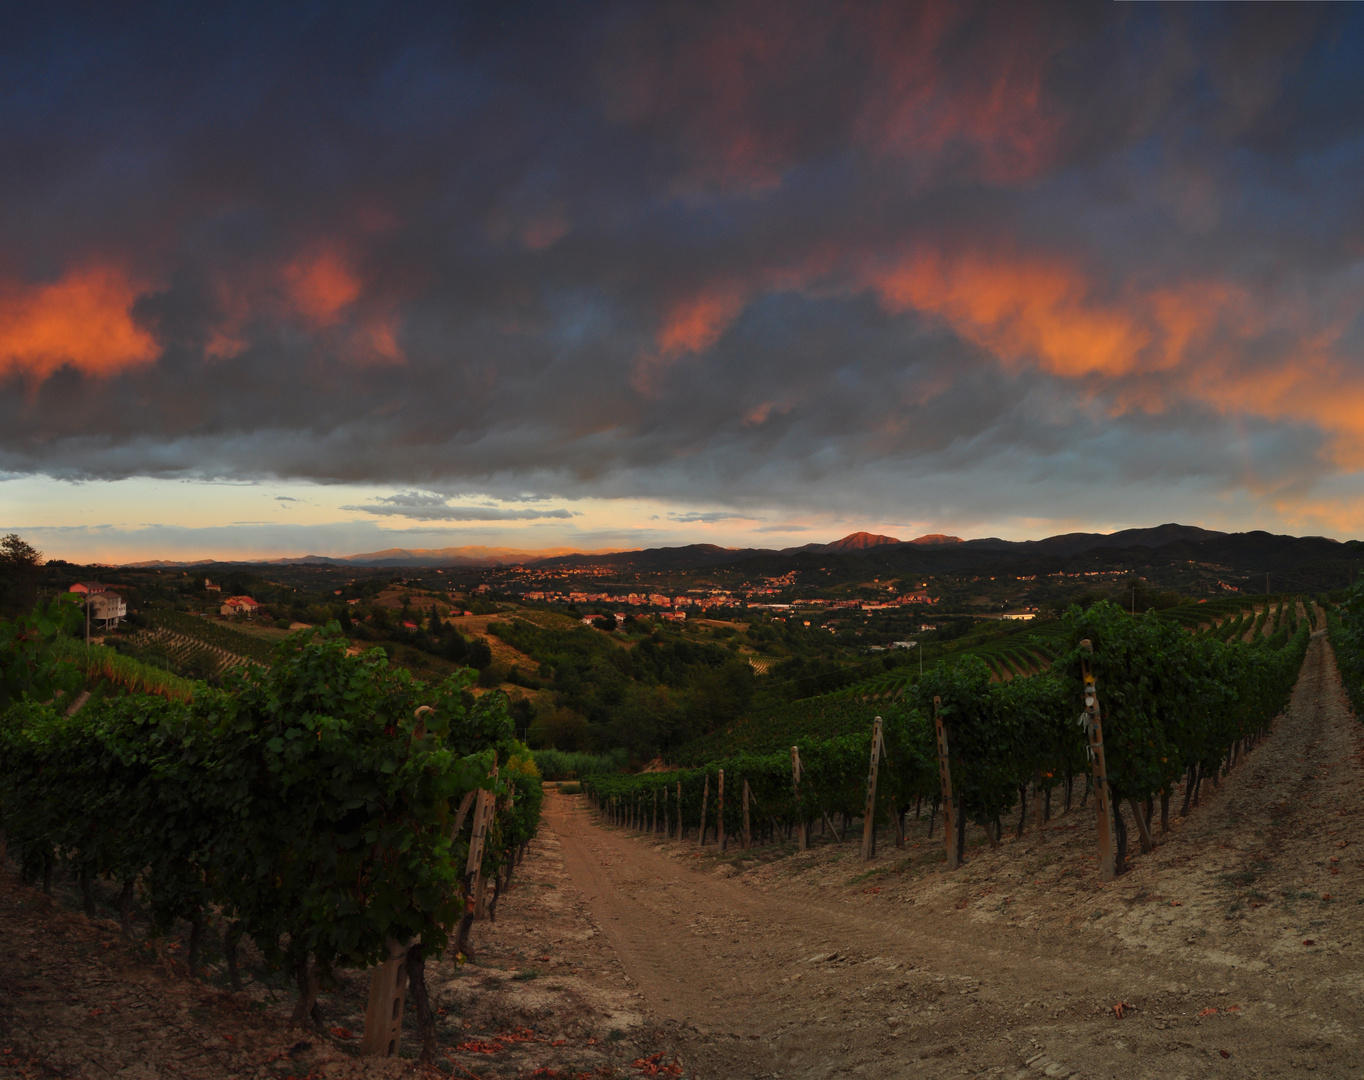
{"type": "Point", "coordinates": [326, 278]}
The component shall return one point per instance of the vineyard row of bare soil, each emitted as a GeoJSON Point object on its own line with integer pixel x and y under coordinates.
{"type": "Point", "coordinates": [541, 994]}
{"type": "Point", "coordinates": [1228, 951]}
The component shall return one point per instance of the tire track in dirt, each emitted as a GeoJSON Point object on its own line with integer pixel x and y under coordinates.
{"type": "Point", "coordinates": [1011, 965]}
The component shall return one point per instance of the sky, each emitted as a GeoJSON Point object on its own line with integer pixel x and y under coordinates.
{"type": "Point", "coordinates": [330, 278]}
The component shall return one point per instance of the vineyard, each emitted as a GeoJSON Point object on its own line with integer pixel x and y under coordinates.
{"type": "Point", "coordinates": [184, 634]}
{"type": "Point", "coordinates": [1176, 708]}
{"type": "Point", "coordinates": [1345, 626]}
{"type": "Point", "coordinates": [99, 664]}
{"type": "Point", "coordinates": [331, 809]}
{"type": "Point", "coordinates": [1033, 649]}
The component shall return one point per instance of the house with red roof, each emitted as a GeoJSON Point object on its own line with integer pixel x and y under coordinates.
{"type": "Point", "coordinates": [239, 605]}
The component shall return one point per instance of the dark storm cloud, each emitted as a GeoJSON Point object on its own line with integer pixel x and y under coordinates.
{"type": "Point", "coordinates": [739, 253]}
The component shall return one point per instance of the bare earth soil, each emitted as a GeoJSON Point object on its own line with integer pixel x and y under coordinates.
{"type": "Point", "coordinates": [1230, 949]}
{"type": "Point", "coordinates": [1232, 946]}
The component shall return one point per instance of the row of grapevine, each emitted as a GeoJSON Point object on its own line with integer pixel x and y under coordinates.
{"type": "Point", "coordinates": [1176, 707]}
{"type": "Point", "coordinates": [210, 632]}
{"type": "Point", "coordinates": [1345, 625]}
{"type": "Point", "coordinates": [775, 730]}
{"type": "Point", "coordinates": [187, 653]}
{"type": "Point", "coordinates": [1030, 651]}
{"type": "Point", "coordinates": [1215, 615]}
{"type": "Point", "coordinates": [313, 806]}
{"type": "Point", "coordinates": [1008, 657]}
{"type": "Point", "coordinates": [98, 663]}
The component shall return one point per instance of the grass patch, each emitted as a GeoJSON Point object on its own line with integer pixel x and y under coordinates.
{"type": "Point", "coordinates": [561, 765]}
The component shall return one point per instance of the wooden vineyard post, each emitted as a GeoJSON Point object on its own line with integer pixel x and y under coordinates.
{"type": "Point", "coordinates": [480, 885]}
{"type": "Point", "coordinates": [949, 812]}
{"type": "Point", "coordinates": [869, 815]}
{"type": "Point", "coordinates": [654, 824]}
{"type": "Point", "coordinates": [667, 824]}
{"type": "Point", "coordinates": [748, 833]}
{"type": "Point", "coordinates": [705, 798]}
{"type": "Point", "coordinates": [464, 805]}
{"type": "Point", "coordinates": [720, 810]}
{"type": "Point", "coordinates": [1094, 729]}
{"type": "Point", "coordinates": [1143, 830]}
{"type": "Point", "coordinates": [384, 1014]}
{"type": "Point", "coordinates": [483, 810]}
{"type": "Point", "coordinates": [680, 828]}
{"type": "Point", "coordinates": [802, 830]}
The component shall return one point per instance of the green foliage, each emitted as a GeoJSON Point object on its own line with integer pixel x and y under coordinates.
{"type": "Point", "coordinates": [776, 729]}
{"type": "Point", "coordinates": [1169, 700]}
{"type": "Point", "coordinates": [31, 666]}
{"type": "Point", "coordinates": [1172, 701]}
{"type": "Point", "coordinates": [560, 765]}
{"type": "Point", "coordinates": [992, 736]}
{"type": "Point", "coordinates": [313, 801]}
{"type": "Point", "coordinates": [100, 663]}
{"type": "Point", "coordinates": [212, 633]}
{"type": "Point", "coordinates": [1345, 626]}
{"type": "Point", "coordinates": [648, 699]}
{"type": "Point", "coordinates": [20, 565]}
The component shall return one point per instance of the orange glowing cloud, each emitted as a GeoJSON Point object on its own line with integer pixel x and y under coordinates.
{"type": "Point", "coordinates": [84, 320]}
{"type": "Point", "coordinates": [1147, 348]}
{"type": "Point", "coordinates": [689, 326]}
{"type": "Point", "coordinates": [321, 286]}
{"type": "Point", "coordinates": [1020, 311]}
{"type": "Point", "coordinates": [694, 325]}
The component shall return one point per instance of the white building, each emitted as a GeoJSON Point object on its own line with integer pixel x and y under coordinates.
{"type": "Point", "coordinates": [106, 608]}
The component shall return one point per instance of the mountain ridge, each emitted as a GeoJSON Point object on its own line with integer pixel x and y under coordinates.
{"type": "Point", "coordinates": [937, 548]}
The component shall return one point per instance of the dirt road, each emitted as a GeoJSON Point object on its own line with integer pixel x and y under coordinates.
{"type": "Point", "coordinates": [1232, 946]}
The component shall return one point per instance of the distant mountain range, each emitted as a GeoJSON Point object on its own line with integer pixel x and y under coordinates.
{"type": "Point", "coordinates": [934, 545]}
{"type": "Point", "coordinates": [415, 557]}
{"type": "Point", "coordinates": [862, 551]}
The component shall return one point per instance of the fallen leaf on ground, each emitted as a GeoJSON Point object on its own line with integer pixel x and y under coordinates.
{"type": "Point", "coordinates": [478, 1046]}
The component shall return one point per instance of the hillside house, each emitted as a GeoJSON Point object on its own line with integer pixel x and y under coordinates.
{"type": "Point", "coordinates": [239, 605]}
{"type": "Point", "coordinates": [107, 609]}
{"type": "Point", "coordinates": [88, 588]}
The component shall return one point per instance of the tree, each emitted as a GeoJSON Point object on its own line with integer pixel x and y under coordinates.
{"type": "Point", "coordinates": [19, 563]}
{"type": "Point", "coordinates": [29, 666]}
